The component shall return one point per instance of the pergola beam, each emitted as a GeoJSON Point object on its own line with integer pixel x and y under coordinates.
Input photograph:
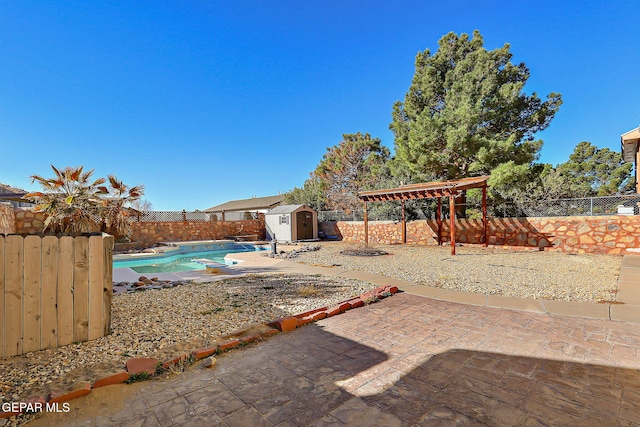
{"type": "Point", "coordinates": [429, 190]}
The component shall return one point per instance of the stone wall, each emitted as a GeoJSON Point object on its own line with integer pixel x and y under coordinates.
{"type": "Point", "coordinates": [28, 221]}
{"type": "Point", "coordinates": [154, 232]}
{"type": "Point", "coordinates": [617, 234]}
{"type": "Point", "coordinates": [148, 233]}
{"type": "Point", "coordinates": [7, 219]}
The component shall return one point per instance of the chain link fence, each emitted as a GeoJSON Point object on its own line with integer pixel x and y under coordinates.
{"type": "Point", "coordinates": [427, 209]}
{"type": "Point", "coordinates": [191, 216]}
{"type": "Point", "coordinates": [587, 206]}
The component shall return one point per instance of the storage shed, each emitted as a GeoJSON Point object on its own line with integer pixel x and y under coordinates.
{"type": "Point", "coordinates": [289, 223]}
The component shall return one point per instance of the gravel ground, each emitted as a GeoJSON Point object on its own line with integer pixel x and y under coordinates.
{"type": "Point", "coordinates": [522, 274]}
{"type": "Point", "coordinates": [150, 321]}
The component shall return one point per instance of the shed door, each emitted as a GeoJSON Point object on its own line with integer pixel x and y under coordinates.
{"type": "Point", "coordinates": [305, 225]}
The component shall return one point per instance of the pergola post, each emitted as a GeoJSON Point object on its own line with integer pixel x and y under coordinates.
{"type": "Point", "coordinates": [485, 242]}
{"type": "Point", "coordinates": [366, 226]}
{"type": "Point", "coordinates": [452, 223]}
{"type": "Point", "coordinates": [404, 225]}
{"type": "Point", "coordinates": [439, 221]}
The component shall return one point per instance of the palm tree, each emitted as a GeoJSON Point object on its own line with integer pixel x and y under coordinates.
{"type": "Point", "coordinates": [70, 200]}
{"type": "Point", "coordinates": [116, 215]}
{"type": "Point", "coordinates": [73, 203]}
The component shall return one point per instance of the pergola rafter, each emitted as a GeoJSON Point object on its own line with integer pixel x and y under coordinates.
{"type": "Point", "coordinates": [429, 190]}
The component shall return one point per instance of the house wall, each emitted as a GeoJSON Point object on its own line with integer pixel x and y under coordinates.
{"type": "Point", "coordinates": [617, 234]}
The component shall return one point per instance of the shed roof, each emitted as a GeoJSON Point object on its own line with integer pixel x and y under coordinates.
{"type": "Point", "coordinates": [424, 190]}
{"type": "Point", "coordinates": [629, 142]}
{"type": "Point", "coordinates": [251, 204]}
{"type": "Point", "coordinates": [286, 209]}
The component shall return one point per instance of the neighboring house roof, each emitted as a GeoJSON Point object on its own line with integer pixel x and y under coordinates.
{"type": "Point", "coordinates": [286, 209]}
{"type": "Point", "coordinates": [629, 141]}
{"type": "Point", "coordinates": [7, 189]}
{"type": "Point", "coordinates": [252, 204]}
{"type": "Point", "coordinates": [13, 194]}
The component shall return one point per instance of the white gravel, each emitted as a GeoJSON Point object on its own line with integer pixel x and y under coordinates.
{"type": "Point", "coordinates": [512, 273]}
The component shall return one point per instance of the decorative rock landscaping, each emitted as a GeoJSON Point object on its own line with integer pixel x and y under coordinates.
{"type": "Point", "coordinates": [143, 284]}
{"type": "Point", "coordinates": [295, 252]}
{"type": "Point", "coordinates": [547, 275]}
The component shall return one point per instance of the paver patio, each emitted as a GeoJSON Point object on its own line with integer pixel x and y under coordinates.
{"type": "Point", "coordinates": [408, 360]}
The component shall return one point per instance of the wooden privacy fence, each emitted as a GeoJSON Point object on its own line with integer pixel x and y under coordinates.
{"type": "Point", "coordinates": [53, 291]}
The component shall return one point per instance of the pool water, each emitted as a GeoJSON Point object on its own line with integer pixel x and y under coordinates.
{"type": "Point", "coordinates": [178, 262]}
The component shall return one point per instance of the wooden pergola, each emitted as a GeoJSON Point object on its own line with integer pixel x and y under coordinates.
{"type": "Point", "coordinates": [429, 190]}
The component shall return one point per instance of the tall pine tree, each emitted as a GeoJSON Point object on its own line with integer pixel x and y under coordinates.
{"type": "Point", "coordinates": [465, 114]}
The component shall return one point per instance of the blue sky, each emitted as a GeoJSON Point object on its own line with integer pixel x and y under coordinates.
{"type": "Point", "coordinates": [208, 101]}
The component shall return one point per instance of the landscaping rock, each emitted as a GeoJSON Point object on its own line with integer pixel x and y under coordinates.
{"type": "Point", "coordinates": [294, 253]}
{"type": "Point", "coordinates": [209, 362]}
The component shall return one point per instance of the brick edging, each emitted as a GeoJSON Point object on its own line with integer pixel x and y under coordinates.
{"type": "Point", "coordinates": [137, 369]}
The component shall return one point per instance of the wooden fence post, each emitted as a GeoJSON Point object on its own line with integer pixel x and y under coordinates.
{"type": "Point", "coordinates": [65, 290]}
{"type": "Point", "coordinates": [2, 307]}
{"type": "Point", "coordinates": [14, 257]}
{"type": "Point", "coordinates": [31, 292]}
{"type": "Point", "coordinates": [96, 282]}
{"type": "Point", "coordinates": [107, 281]}
{"type": "Point", "coordinates": [50, 252]}
{"type": "Point", "coordinates": [81, 289]}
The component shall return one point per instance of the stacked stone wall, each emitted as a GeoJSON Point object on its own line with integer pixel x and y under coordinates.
{"type": "Point", "coordinates": [28, 221]}
{"type": "Point", "coordinates": [617, 234]}
{"type": "Point", "coordinates": [153, 232]}
{"type": "Point", "coordinates": [7, 219]}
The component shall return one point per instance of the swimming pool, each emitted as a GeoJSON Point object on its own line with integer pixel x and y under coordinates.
{"type": "Point", "coordinates": [181, 258]}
